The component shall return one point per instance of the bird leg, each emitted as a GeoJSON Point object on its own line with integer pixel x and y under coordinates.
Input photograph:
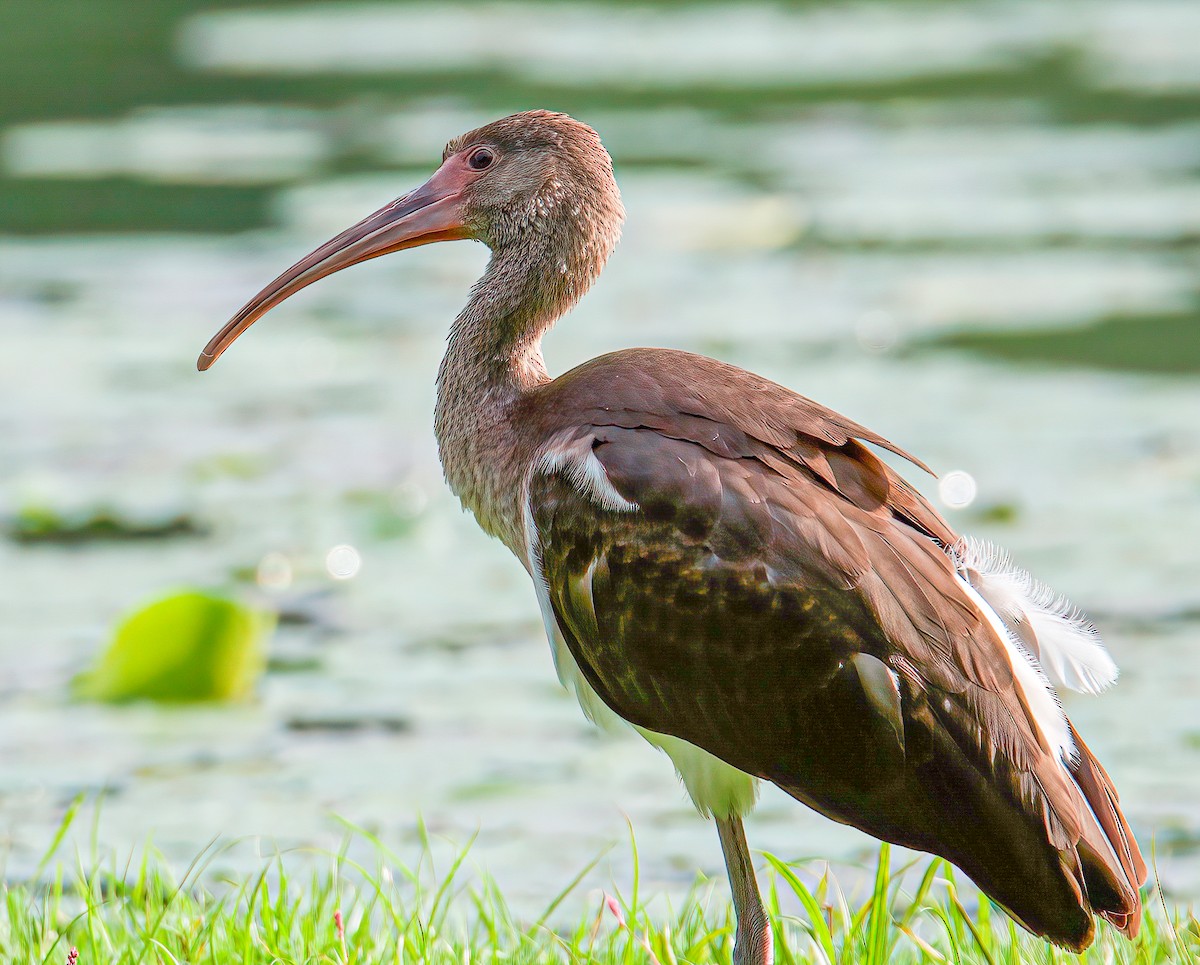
{"type": "Point", "coordinates": [752, 944]}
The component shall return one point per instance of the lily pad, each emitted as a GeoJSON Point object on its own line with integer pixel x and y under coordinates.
{"type": "Point", "coordinates": [347, 723]}
{"type": "Point", "coordinates": [997, 514]}
{"type": "Point", "coordinates": [188, 646]}
{"type": "Point", "coordinates": [40, 524]}
{"type": "Point", "coordinates": [1168, 344]}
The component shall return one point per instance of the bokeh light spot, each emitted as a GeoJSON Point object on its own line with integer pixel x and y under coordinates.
{"type": "Point", "coordinates": [957, 489]}
{"type": "Point", "coordinates": [877, 331]}
{"type": "Point", "coordinates": [274, 571]}
{"type": "Point", "coordinates": [343, 562]}
{"type": "Point", "coordinates": [409, 499]}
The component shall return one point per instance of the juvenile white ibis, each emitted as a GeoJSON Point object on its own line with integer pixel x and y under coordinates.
{"type": "Point", "coordinates": [724, 566]}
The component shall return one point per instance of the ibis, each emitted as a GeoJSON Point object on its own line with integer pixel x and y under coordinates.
{"type": "Point", "coordinates": [728, 568]}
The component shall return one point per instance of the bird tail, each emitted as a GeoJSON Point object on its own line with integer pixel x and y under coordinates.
{"type": "Point", "coordinates": [1112, 865]}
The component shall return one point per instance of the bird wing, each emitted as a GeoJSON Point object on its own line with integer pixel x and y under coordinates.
{"type": "Point", "coordinates": [751, 579]}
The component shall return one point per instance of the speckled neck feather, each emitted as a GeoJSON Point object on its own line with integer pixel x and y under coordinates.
{"type": "Point", "coordinates": [548, 247]}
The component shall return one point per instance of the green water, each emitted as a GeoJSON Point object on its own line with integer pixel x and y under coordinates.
{"type": "Point", "coordinates": [974, 227]}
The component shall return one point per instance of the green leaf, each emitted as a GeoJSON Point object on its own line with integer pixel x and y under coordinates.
{"type": "Point", "coordinates": [189, 646]}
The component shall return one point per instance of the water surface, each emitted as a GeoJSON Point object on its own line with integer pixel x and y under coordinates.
{"type": "Point", "coordinates": [973, 227]}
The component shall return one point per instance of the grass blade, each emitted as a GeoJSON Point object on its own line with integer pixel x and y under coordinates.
{"type": "Point", "coordinates": [881, 918]}
{"type": "Point", "coordinates": [63, 827]}
{"type": "Point", "coordinates": [816, 917]}
{"type": "Point", "coordinates": [571, 886]}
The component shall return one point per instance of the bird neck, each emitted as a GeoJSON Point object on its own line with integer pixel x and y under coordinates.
{"type": "Point", "coordinates": [494, 358]}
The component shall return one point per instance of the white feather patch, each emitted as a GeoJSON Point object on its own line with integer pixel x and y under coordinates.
{"type": "Point", "coordinates": [1039, 696]}
{"type": "Point", "coordinates": [717, 789]}
{"type": "Point", "coordinates": [585, 471]}
{"type": "Point", "coordinates": [1062, 641]}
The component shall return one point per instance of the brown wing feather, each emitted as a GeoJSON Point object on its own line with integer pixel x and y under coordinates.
{"type": "Point", "coordinates": [765, 557]}
{"type": "Point", "coordinates": [730, 411]}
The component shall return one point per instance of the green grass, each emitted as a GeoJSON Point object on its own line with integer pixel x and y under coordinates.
{"type": "Point", "coordinates": [391, 911]}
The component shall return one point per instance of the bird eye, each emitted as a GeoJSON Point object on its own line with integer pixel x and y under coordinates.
{"type": "Point", "coordinates": [481, 159]}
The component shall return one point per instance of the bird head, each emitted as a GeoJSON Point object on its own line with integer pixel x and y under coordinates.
{"type": "Point", "coordinates": [537, 185]}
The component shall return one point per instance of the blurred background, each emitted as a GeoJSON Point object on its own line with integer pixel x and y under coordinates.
{"type": "Point", "coordinates": [973, 226]}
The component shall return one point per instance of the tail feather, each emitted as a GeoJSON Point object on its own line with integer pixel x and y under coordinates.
{"type": "Point", "coordinates": [1113, 868]}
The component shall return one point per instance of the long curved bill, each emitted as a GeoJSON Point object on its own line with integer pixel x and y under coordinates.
{"type": "Point", "coordinates": [433, 212]}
